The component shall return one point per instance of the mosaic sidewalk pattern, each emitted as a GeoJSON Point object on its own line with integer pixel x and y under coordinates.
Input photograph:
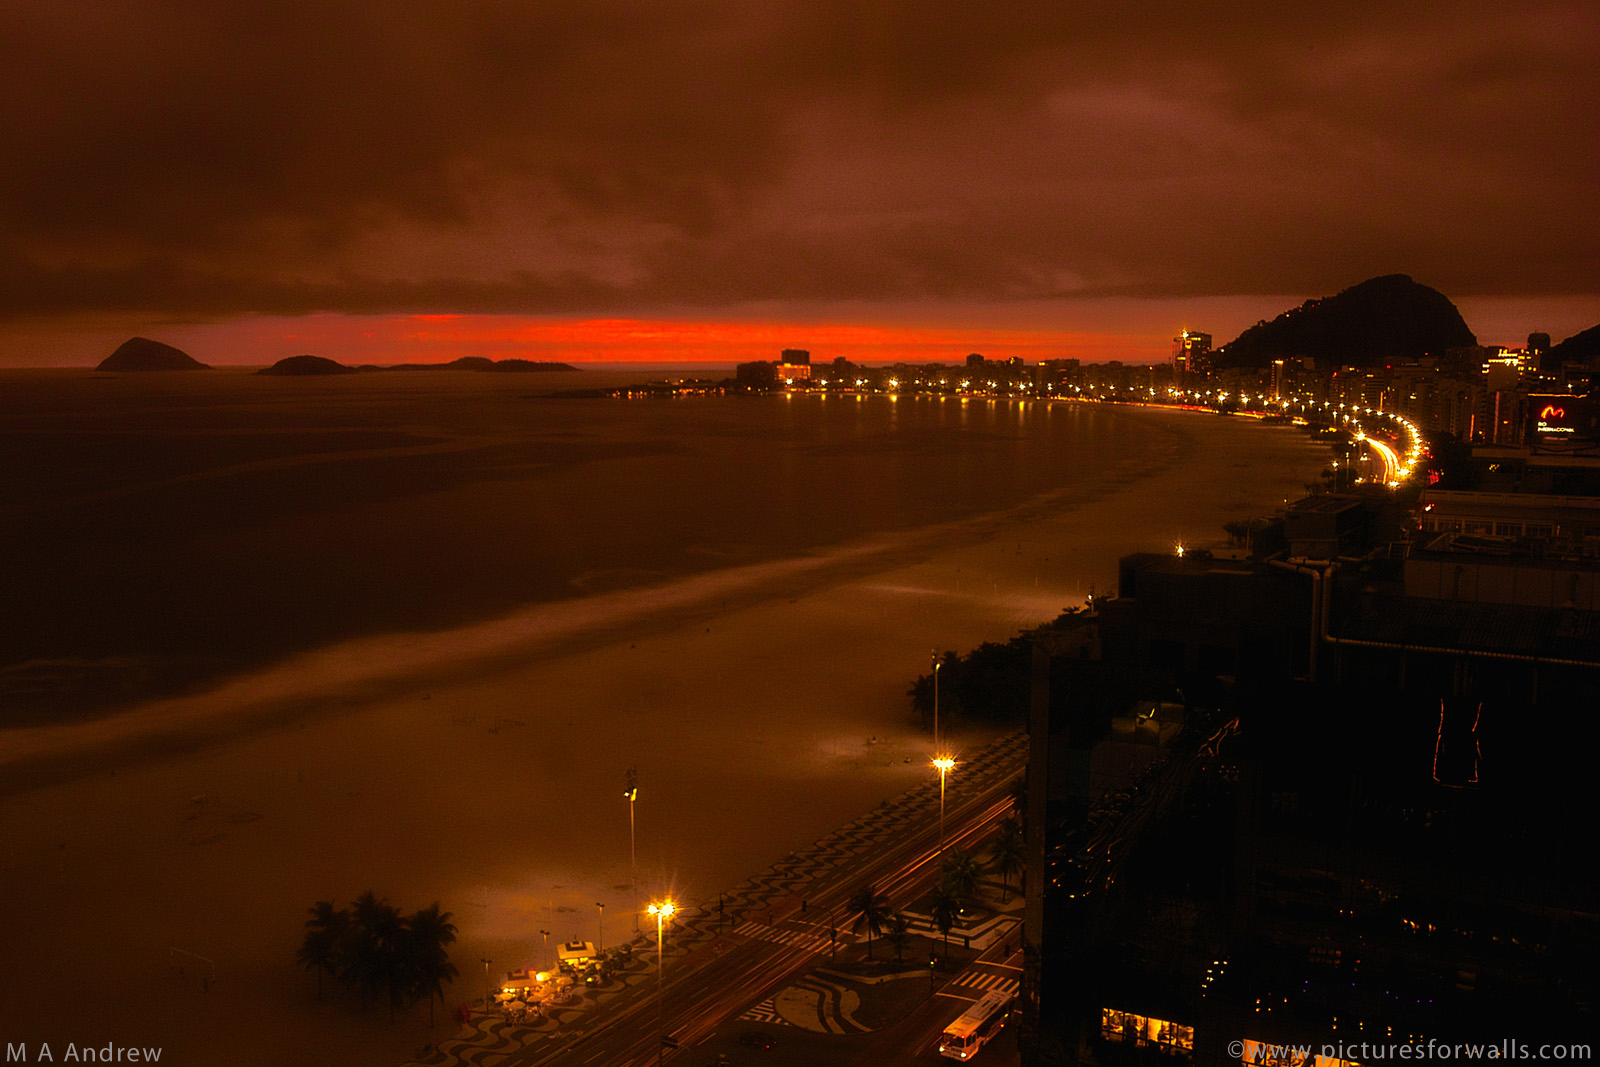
{"type": "Point", "coordinates": [488, 1039]}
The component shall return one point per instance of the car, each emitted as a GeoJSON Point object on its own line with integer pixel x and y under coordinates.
{"type": "Point", "coordinates": [756, 1039]}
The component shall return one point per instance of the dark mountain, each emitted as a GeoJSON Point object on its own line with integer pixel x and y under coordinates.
{"type": "Point", "coordinates": [141, 353]}
{"type": "Point", "coordinates": [483, 363]}
{"type": "Point", "coordinates": [516, 366]}
{"type": "Point", "coordinates": [303, 365]}
{"type": "Point", "coordinates": [1383, 320]}
{"type": "Point", "coordinates": [1580, 347]}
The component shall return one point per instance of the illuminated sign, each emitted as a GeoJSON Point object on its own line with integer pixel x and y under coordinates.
{"type": "Point", "coordinates": [1560, 414]}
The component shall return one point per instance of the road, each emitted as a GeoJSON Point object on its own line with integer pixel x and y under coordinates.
{"type": "Point", "coordinates": [715, 980]}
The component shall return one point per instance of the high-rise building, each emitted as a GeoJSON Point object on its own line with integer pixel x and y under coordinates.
{"type": "Point", "coordinates": [1191, 355]}
{"type": "Point", "coordinates": [1538, 345]}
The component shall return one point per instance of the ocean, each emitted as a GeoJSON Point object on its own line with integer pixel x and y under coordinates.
{"type": "Point", "coordinates": [162, 530]}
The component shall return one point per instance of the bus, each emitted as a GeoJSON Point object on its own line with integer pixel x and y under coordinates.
{"type": "Point", "coordinates": [963, 1038]}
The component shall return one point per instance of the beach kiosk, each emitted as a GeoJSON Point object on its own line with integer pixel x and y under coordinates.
{"type": "Point", "coordinates": [521, 982]}
{"type": "Point", "coordinates": [575, 955]}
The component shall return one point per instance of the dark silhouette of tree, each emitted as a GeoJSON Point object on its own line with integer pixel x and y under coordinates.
{"type": "Point", "coordinates": [374, 949]}
{"type": "Point", "coordinates": [373, 961]}
{"type": "Point", "coordinates": [326, 931]}
{"type": "Point", "coordinates": [429, 933]}
{"type": "Point", "coordinates": [899, 935]}
{"type": "Point", "coordinates": [1008, 855]}
{"type": "Point", "coordinates": [961, 873]}
{"type": "Point", "coordinates": [946, 910]}
{"type": "Point", "coordinates": [871, 910]}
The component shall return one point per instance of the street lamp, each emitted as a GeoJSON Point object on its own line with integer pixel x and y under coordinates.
{"type": "Point", "coordinates": [632, 793]}
{"type": "Point", "coordinates": [544, 951]}
{"type": "Point", "coordinates": [936, 666]}
{"type": "Point", "coordinates": [600, 941]}
{"type": "Point", "coordinates": [485, 961]}
{"type": "Point", "coordinates": [944, 763]}
{"type": "Point", "coordinates": [662, 912]}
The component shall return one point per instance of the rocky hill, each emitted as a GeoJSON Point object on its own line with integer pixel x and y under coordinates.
{"type": "Point", "coordinates": [483, 363]}
{"type": "Point", "coordinates": [141, 354]}
{"type": "Point", "coordinates": [295, 366]}
{"type": "Point", "coordinates": [1580, 347]}
{"type": "Point", "coordinates": [1383, 320]}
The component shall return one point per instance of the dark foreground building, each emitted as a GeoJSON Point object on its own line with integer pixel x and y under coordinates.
{"type": "Point", "coordinates": [1284, 803]}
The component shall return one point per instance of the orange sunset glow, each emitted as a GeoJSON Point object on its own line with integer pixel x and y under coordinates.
{"type": "Point", "coordinates": [384, 339]}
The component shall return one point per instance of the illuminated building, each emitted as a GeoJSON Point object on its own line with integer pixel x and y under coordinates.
{"type": "Point", "coordinates": [1191, 356]}
{"type": "Point", "coordinates": [1365, 829]}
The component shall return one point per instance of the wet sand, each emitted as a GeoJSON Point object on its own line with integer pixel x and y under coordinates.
{"type": "Point", "coordinates": [482, 766]}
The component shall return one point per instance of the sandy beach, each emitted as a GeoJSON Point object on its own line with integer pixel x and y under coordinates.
{"type": "Point", "coordinates": [482, 766]}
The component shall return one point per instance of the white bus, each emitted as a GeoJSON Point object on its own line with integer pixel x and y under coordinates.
{"type": "Point", "coordinates": [963, 1038]}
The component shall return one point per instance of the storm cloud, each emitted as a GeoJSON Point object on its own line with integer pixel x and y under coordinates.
{"type": "Point", "coordinates": [206, 159]}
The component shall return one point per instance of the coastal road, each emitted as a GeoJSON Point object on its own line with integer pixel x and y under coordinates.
{"type": "Point", "coordinates": [914, 1040]}
{"type": "Point", "coordinates": [749, 960]}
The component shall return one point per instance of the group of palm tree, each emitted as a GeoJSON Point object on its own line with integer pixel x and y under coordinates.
{"type": "Point", "coordinates": [373, 949]}
{"type": "Point", "coordinates": [959, 878]}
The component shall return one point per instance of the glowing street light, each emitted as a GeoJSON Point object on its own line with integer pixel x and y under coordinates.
{"type": "Point", "coordinates": [662, 912]}
{"type": "Point", "coordinates": [632, 793]}
{"type": "Point", "coordinates": [944, 763]}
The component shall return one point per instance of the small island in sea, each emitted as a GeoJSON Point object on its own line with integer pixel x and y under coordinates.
{"type": "Point", "coordinates": [298, 366]}
{"type": "Point", "coordinates": [143, 354]}
{"type": "Point", "coordinates": [308, 365]}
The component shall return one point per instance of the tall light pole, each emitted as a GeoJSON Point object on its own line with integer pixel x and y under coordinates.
{"type": "Point", "coordinates": [662, 912]}
{"type": "Point", "coordinates": [544, 952]}
{"type": "Point", "coordinates": [936, 666]}
{"type": "Point", "coordinates": [632, 793]}
{"type": "Point", "coordinates": [600, 941]}
{"type": "Point", "coordinates": [485, 961]}
{"type": "Point", "coordinates": [944, 763]}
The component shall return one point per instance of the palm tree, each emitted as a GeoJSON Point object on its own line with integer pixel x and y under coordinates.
{"type": "Point", "coordinates": [1019, 796]}
{"type": "Point", "coordinates": [372, 959]}
{"type": "Point", "coordinates": [324, 941]}
{"type": "Point", "coordinates": [1008, 856]}
{"type": "Point", "coordinates": [946, 909]}
{"type": "Point", "coordinates": [871, 911]}
{"type": "Point", "coordinates": [961, 872]}
{"type": "Point", "coordinates": [428, 964]}
{"type": "Point", "coordinates": [899, 935]}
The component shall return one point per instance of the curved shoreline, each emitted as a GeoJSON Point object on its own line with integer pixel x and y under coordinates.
{"type": "Point", "coordinates": [172, 546]}
{"type": "Point", "coordinates": [759, 720]}
{"type": "Point", "coordinates": [363, 670]}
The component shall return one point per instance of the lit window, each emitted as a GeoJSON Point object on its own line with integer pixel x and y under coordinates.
{"type": "Point", "coordinates": [1143, 1031]}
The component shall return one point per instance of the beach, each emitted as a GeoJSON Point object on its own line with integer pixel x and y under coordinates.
{"type": "Point", "coordinates": [160, 858]}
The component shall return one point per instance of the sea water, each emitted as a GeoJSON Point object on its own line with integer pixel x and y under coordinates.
{"type": "Point", "coordinates": [164, 528]}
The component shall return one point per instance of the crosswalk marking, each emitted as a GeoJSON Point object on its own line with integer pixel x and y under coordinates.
{"type": "Point", "coordinates": [807, 941]}
{"type": "Point", "coordinates": [765, 1012]}
{"type": "Point", "coordinates": [989, 981]}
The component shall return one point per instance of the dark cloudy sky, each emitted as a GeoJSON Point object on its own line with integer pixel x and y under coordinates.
{"type": "Point", "coordinates": [1057, 170]}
